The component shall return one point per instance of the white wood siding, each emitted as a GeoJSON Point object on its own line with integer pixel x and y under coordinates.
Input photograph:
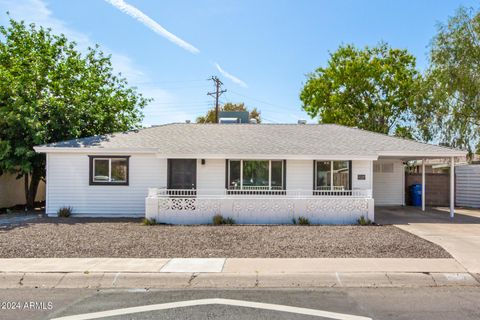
{"type": "Point", "coordinates": [388, 186]}
{"type": "Point", "coordinates": [468, 186]}
{"type": "Point", "coordinates": [68, 185]}
{"type": "Point", "coordinates": [210, 176]}
{"type": "Point", "coordinates": [361, 167]}
{"type": "Point", "coordinates": [299, 175]}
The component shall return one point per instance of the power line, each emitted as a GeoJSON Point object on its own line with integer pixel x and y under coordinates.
{"type": "Point", "coordinates": [258, 100]}
{"type": "Point", "coordinates": [177, 81]}
{"type": "Point", "coordinates": [184, 103]}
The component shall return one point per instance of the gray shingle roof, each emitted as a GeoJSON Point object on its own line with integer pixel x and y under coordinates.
{"type": "Point", "coordinates": [256, 139]}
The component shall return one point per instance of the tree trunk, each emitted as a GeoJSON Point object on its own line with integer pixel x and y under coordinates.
{"type": "Point", "coordinates": [32, 190]}
{"type": "Point", "coordinates": [25, 186]}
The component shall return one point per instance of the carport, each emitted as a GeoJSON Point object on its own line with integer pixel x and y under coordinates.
{"type": "Point", "coordinates": [388, 190]}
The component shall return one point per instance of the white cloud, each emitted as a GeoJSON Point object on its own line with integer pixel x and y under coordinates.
{"type": "Point", "coordinates": [152, 24]}
{"type": "Point", "coordinates": [37, 11]}
{"type": "Point", "coordinates": [230, 76]}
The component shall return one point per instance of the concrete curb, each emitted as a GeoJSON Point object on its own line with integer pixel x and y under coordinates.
{"type": "Point", "coordinates": [231, 280]}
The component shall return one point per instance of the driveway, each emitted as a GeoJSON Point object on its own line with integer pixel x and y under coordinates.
{"type": "Point", "coordinates": [460, 236]}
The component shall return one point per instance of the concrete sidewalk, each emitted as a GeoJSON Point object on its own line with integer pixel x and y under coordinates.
{"type": "Point", "coordinates": [231, 273]}
{"type": "Point", "coordinates": [231, 265]}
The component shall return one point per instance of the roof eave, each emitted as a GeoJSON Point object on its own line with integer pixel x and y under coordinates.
{"type": "Point", "coordinates": [43, 149]}
{"type": "Point", "coordinates": [423, 154]}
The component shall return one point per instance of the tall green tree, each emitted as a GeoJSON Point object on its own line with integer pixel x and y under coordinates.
{"type": "Point", "coordinates": [454, 80]}
{"type": "Point", "coordinates": [49, 92]}
{"type": "Point", "coordinates": [210, 116]}
{"type": "Point", "coordinates": [375, 88]}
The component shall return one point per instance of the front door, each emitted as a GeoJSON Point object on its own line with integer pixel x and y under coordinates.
{"type": "Point", "coordinates": [182, 173]}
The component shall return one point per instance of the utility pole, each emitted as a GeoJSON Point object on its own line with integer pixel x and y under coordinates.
{"type": "Point", "coordinates": [216, 94]}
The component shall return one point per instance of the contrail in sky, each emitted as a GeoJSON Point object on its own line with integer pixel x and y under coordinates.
{"type": "Point", "coordinates": [152, 24]}
{"type": "Point", "coordinates": [230, 76]}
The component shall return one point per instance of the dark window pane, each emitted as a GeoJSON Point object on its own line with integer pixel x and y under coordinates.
{"type": "Point", "coordinates": [255, 173]}
{"type": "Point", "coordinates": [341, 175]}
{"type": "Point", "coordinates": [119, 170]}
{"type": "Point", "coordinates": [323, 175]}
{"type": "Point", "coordinates": [100, 170]}
{"type": "Point", "coordinates": [234, 175]}
{"type": "Point", "coordinates": [277, 175]}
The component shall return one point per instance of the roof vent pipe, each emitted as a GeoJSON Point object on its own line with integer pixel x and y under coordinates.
{"type": "Point", "coordinates": [253, 121]}
{"type": "Point", "coordinates": [302, 122]}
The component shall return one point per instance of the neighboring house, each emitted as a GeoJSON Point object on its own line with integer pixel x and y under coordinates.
{"type": "Point", "coordinates": [255, 173]}
{"type": "Point", "coordinates": [12, 191]}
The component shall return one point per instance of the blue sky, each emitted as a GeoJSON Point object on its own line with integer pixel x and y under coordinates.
{"type": "Point", "coordinates": [261, 50]}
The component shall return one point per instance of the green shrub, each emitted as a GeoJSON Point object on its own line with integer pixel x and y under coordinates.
{"type": "Point", "coordinates": [229, 220]}
{"type": "Point", "coordinates": [294, 221]}
{"type": "Point", "coordinates": [65, 212]}
{"type": "Point", "coordinates": [303, 221]}
{"type": "Point", "coordinates": [364, 221]}
{"type": "Point", "coordinates": [218, 219]}
{"type": "Point", "coordinates": [149, 222]}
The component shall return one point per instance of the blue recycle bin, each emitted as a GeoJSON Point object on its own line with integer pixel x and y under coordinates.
{"type": "Point", "coordinates": [416, 194]}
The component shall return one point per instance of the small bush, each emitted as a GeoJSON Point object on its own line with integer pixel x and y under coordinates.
{"type": "Point", "coordinates": [65, 212]}
{"type": "Point", "coordinates": [218, 219]}
{"type": "Point", "coordinates": [149, 222]}
{"type": "Point", "coordinates": [229, 220]}
{"type": "Point", "coordinates": [364, 221]}
{"type": "Point", "coordinates": [303, 221]}
{"type": "Point", "coordinates": [294, 221]}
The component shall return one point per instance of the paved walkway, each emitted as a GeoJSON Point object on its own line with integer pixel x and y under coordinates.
{"type": "Point", "coordinates": [233, 265]}
{"type": "Point", "coordinates": [235, 273]}
{"type": "Point", "coordinates": [459, 236]}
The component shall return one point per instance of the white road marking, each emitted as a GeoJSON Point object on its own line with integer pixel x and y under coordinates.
{"type": "Point", "coordinates": [202, 302]}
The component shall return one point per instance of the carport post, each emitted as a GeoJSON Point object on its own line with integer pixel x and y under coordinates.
{"type": "Point", "coordinates": [452, 187]}
{"type": "Point", "coordinates": [423, 184]}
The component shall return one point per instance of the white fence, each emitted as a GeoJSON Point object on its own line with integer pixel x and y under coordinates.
{"type": "Point", "coordinates": [468, 185]}
{"type": "Point", "coordinates": [195, 207]}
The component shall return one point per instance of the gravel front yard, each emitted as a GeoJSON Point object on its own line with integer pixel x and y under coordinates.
{"type": "Point", "coordinates": [84, 237]}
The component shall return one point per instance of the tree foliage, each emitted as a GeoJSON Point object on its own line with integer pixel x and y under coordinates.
{"type": "Point", "coordinates": [454, 80]}
{"type": "Point", "coordinates": [375, 88]}
{"type": "Point", "coordinates": [50, 92]}
{"type": "Point", "coordinates": [210, 116]}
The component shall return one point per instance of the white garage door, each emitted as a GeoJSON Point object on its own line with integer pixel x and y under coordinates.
{"type": "Point", "coordinates": [388, 182]}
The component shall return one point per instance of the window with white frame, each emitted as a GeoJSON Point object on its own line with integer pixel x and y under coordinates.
{"type": "Point", "coordinates": [256, 174]}
{"type": "Point", "coordinates": [332, 175]}
{"type": "Point", "coordinates": [109, 170]}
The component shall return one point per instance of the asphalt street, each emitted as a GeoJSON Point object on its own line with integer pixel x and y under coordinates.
{"type": "Point", "coordinates": [343, 303]}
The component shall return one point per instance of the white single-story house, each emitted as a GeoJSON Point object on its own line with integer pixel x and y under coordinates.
{"type": "Point", "coordinates": [255, 173]}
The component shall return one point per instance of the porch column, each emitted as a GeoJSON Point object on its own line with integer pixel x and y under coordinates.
{"type": "Point", "coordinates": [423, 184]}
{"type": "Point", "coordinates": [452, 187]}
